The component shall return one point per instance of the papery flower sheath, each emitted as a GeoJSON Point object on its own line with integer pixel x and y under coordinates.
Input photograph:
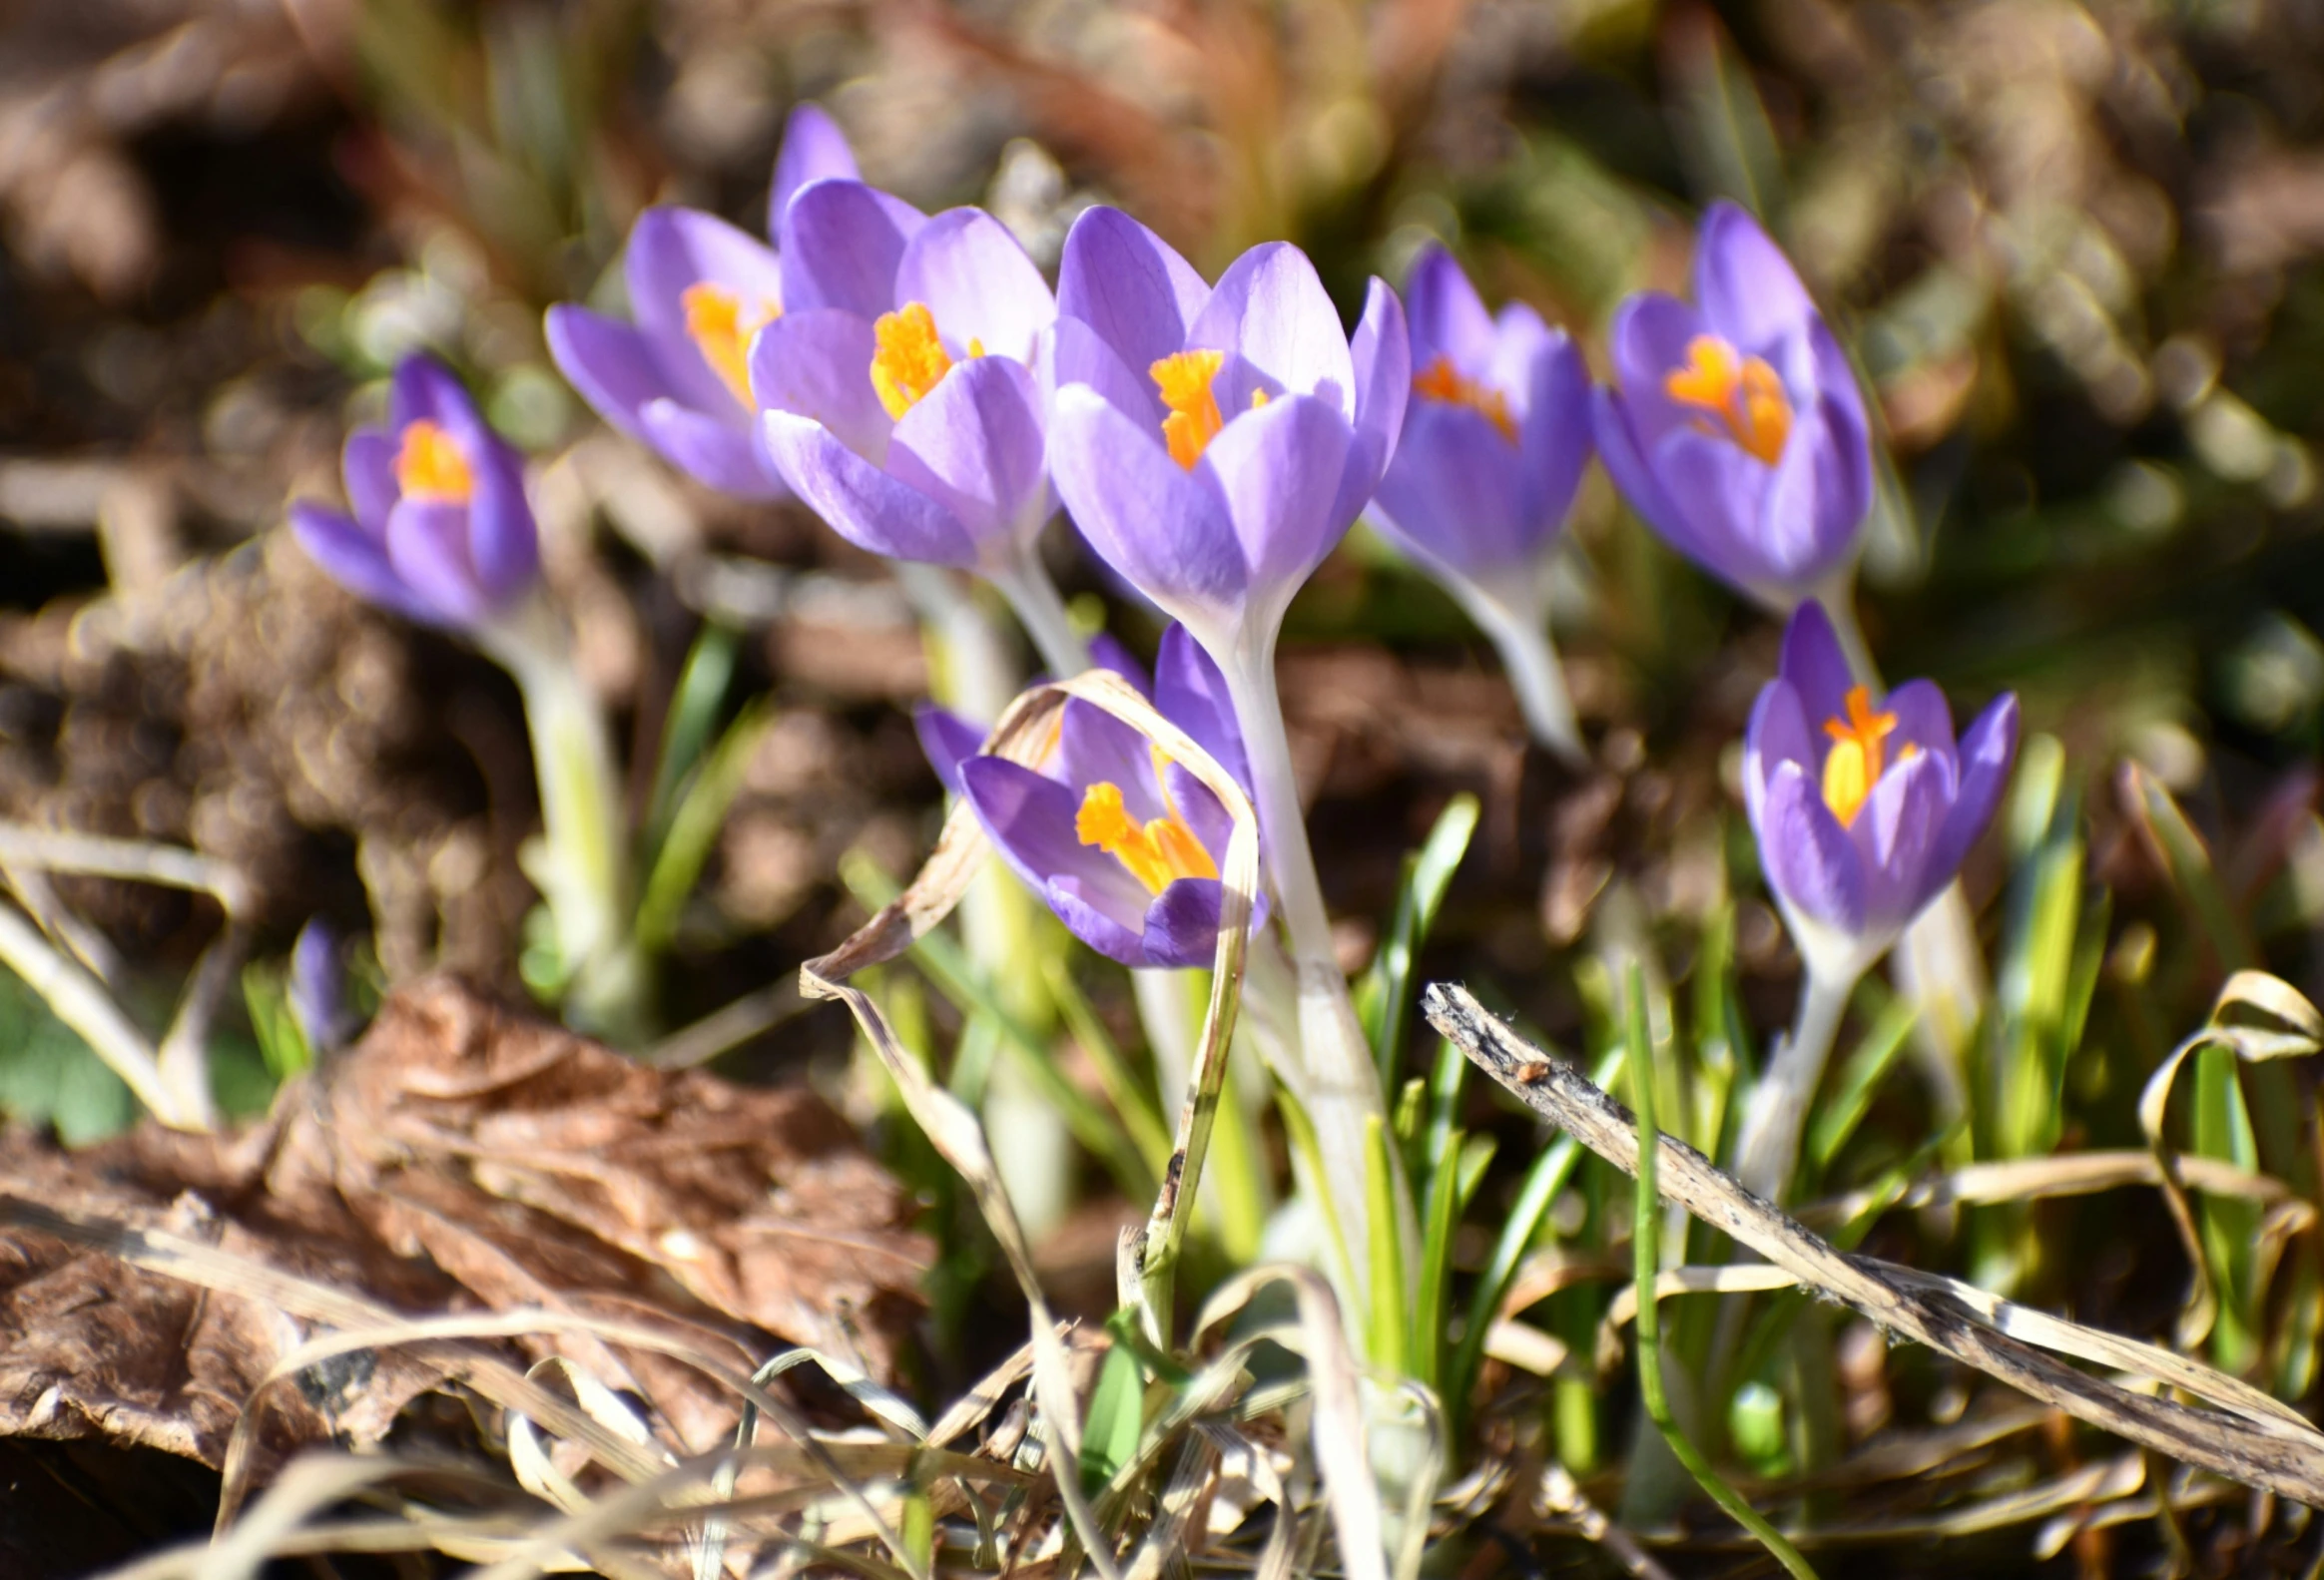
{"type": "Point", "coordinates": [1495, 438]}
{"type": "Point", "coordinates": [1734, 425]}
{"type": "Point", "coordinates": [438, 527]}
{"type": "Point", "coordinates": [901, 392]}
{"type": "Point", "coordinates": [1214, 444]}
{"type": "Point", "coordinates": [700, 289]}
{"type": "Point", "coordinates": [1123, 843]}
{"type": "Point", "coordinates": [1864, 809]}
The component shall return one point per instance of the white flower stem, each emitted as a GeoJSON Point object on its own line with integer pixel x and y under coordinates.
{"type": "Point", "coordinates": [1769, 1148]}
{"type": "Point", "coordinates": [1342, 1083]}
{"type": "Point", "coordinates": [1519, 630]}
{"type": "Point", "coordinates": [1025, 583]}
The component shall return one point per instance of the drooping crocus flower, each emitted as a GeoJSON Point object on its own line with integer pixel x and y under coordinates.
{"type": "Point", "coordinates": [1495, 441]}
{"type": "Point", "coordinates": [1123, 843]}
{"type": "Point", "coordinates": [1864, 811]}
{"type": "Point", "coordinates": [902, 394]}
{"type": "Point", "coordinates": [1734, 426]}
{"type": "Point", "coordinates": [439, 528]}
{"type": "Point", "coordinates": [700, 289]}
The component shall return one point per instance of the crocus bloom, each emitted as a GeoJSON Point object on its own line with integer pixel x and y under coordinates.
{"type": "Point", "coordinates": [700, 291]}
{"type": "Point", "coordinates": [1864, 809]}
{"type": "Point", "coordinates": [1214, 444]}
{"type": "Point", "coordinates": [1123, 843]}
{"type": "Point", "coordinates": [439, 529]}
{"type": "Point", "coordinates": [1734, 426]}
{"type": "Point", "coordinates": [899, 393]}
{"type": "Point", "coordinates": [316, 988]}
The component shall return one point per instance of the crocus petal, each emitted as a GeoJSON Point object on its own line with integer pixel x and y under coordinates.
{"type": "Point", "coordinates": [1144, 514]}
{"type": "Point", "coordinates": [1382, 361]}
{"type": "Point", "coordinates": [1748, 290]}
{"type": "Point", "coordinates": [1271, 310]}
{"type": "Point", "coordinates": [670, 252]}
{"type": "Point", "coordinates": [1030, 819]}
{"type": "Point", "coordinates": [1182, 925]}
{"type": "Point", "coordinates": [1895, 833]}
{"type": "Point", "coordinates": [1095, 748]}
{"type": "Point", "coordinates": [422, 390]}
{"type": "Point", "coordinates": [1808, 855]}
{"type": "Point", "coordinates": [354, 559]}
{"type": "Point", "coordinates": [977, 283]}
{"type": "Point", "coordinates": [818, 365]}
{"type": "Point", "coordinates": [727, 458]}
{"type": "Point", "coordinates": [1648, 342]}
{"type": "Point", "coordinates": [1192, 693]}
{"type": "Point", "coordinates": [1717, 491]}
{"type": "Point", "coordinates": [1448, 316]}
{"type": "Point", "coordinates": [841, 242]}
{"type": "Point", "coordinates": [504, 553]}
{"type": "Point", "coordinates": [1814, 665]}
{"type": "Point", "coordinates": [1095, 925]}
{"type": "Point", "coordinates": [1553, 432]}
{"type": "Point", "coordinates": [1107, 653]}
{"type": "Point", "coordinates": [368, 464]}
{"type": "Point", "coordinates": [1274, 471]}
{"type": "Point", "coordinates": [1779, 733]}
{"type": "Point", "coordinates": [974, 444]}
{"type": "Point", "coordinates": [1453, 496]}
{"type": "Point", "coordinates": [814, 148]}
{"type": "Point", "coordinates": [1617, 446]}
{"type": "Point", "coordinates": [1986, 751]}
{"type": "Point", "coordinates": [1924, 719]}
{"type": "Point", "coordinates": [1129, 287]}
{"type": "Point", "coordinates": [947, 741]}
{"type": "Point", "coordinates": [610, 364]}
{"type": "Point", "coordinates": [427, 544]}
{"type": "Point", "coordinates": [1079, 357]}
{"type": "Point", "coordinates": [859, 501]}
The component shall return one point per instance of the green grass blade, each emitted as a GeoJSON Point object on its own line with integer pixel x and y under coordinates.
{"type": "Point", "coordinates": [1389, 1347]}
{"type": "Point", "coordinates": [1123, 1088]}
{"type": "Point", "coordinates": [693, 825]}
{"type": "Point", "coordinates": [1117, 1412]}
{"type": "Point", "coordinates": [1837, 1117]}
{"type": "Point", "coordinates": [1383, 998]}
{"type": "Point", "coordinates": [686, 729]}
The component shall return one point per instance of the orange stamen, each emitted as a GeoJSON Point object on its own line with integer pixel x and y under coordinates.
{"type": "Point", "coordinates": [430, 468]}
{"type": "Point", "coordinates": [1185, 381]}
{"type": "Point", "coordinates": [911, 360]}
{"type": "Point", "coordinates": [1157, 852]}
{"type": "Point", "coordinates": [1744, 393]}
{"type": "Point", "coordinates": [721, 324]}
{"type": "Point", "coordinates": [1439, 380]}
{"type": "Point", "coordinates": [1858, 756]}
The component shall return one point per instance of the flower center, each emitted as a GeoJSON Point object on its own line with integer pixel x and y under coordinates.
{"type": "Point", "coordinates": [1442, 382]}
{"type": "Point", "coordinates": [911, 360]}
{"type": "Point", "coordinates": [1157, 852]}
{"type": "Point", "coordinates": [1744, 393]}
{"type": "Point", "coordinates": [1184, 377]}
{"type": "Point", "coordinates": [429, 467]}
{"type": "Point", "coordinates": [720, 323]}
{"type": "Point", "coordinates": [1858, 757]}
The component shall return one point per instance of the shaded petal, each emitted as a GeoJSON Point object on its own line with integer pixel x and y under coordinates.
{"type": "Point", "coordinates": [1717, 490]}
{"type": "Point", "coordinates": [1747, 288]}
{"type": "Point", "coordinates": [1806, 526]}
{"type": "Point", "coordinates": [1648, 341]}
{"type": "Point", "coordinates": [814, 148]}
{"type": "Point", "coordinates": [611, 365]}
{"type": "Point", "coordinates": [1095, 925]}
{"type": "Point", "coordinates": [1079, 356]}
{"type": "Point", "coordinates": [1095, 748]}
{"type": "Point", "coordinates": [974, 444]}
{"type": "Point", "coordinates": [1030, 819]}
{"type": "Point", "coordinates": [947, 741]}
{"type": "Point", "coordinates": [1107, 653]}
{"type": "Point", "coordinates": [1453, 496]}
{"type": "Point", "coordinates": [422, 390]}
{"type": "Point", "coordinates": [1554, 429]}
{"type": "Point", "coordinates": [1182, 926]}
{"type": "Point", "coordinates": [818, 365]}
{"type": "Point", "coordinates": [1191, 692]}
{"type": "Point", "coordinates": [841, 242]}
{"type": "Point", "coordinates": [978, 282]}
{"type": "Point", "coordinates": [1625, 463]}
{"type": "Point", "coordinates": [1382, 355]}
{"type": "Point", "coordinates": [354, 559]}
{"type": "Point", "coordinates": [1895, 833]}
{"type": "Point", "coordinates": [1815, 666]}
{"type": "Point", "coordinates": [1275, 469]}
{"type": "Point", "coordinates": [1130, 287]}
{"type": "Point", "coordinates": [672, 250]}
{"type": "Point", "coordinates": [1779, 733]}
{"type": "Point", "coordinates": [427, 544]}
{"type": "Point", "coordinates": [728, 459]}
{"type": "Point", "coordinates": [1448, 317]}
{"type": "Point", "coordinates": [1271, 310]}
{"type": "Point", "coordinates": [861, 502]}
{"type": "Point", "coordinates": [1141, 512]}
{"type": "Point", "coordinates": [1923, 720]}
{"type": "Point", "coordinates": [505, 551]}
{"type": "Point", "coordinates": [367, 466]}
{"type": "Point", "coordinates": [1199, 809]}
{"type": "Point", "coordinates": [1807, 855]}
{"type": "Point", "coordinates": [1986, 751]}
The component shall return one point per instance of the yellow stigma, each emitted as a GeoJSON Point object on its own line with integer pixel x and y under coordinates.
{"type": "Point", "coordinates": [1442, 382]}
{"type": "Point", "coordinates": [1858, 757]}
{"type": "Point", "coordinates": [721, 323]}
{"type": "Point", "coordinates": [429, 467]}
{"type": "Point", "coordinates": [1157, 853]}
{"type": "Point", "coordinates": [1194, 420]}
{"type": "Point", "coordinates": [1745, 394]}
{"type": "Point", "coordinates": [911, 360]}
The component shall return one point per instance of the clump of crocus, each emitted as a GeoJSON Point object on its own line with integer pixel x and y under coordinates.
{"type": "Point", "coordinates": [700, 291]}
{"type": "Point", "coordinates": [441, 531]}
{"type": "Point", "coordinates": [1213, 446]}
{"type": "Point", "coordinates": [1865, 809]}
{"type": "Point", "coordinates": [1734, 425]}
{"type": "Point", "coordinates": [438, 527]}
{"type": "Point", "coordinates": [901, 394]}
{"type": "Point", "coordinates": [1494, 442]}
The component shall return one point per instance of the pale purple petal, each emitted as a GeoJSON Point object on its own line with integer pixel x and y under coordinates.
{"type": "Point", "coordinates": [1454, 494]}
{"type": "Point", "coordinates": [367, 465]}
{"type": "Point", "coordinates": [422, 390]}
{"type": "Point", "coordinates": [1274, 471]}
{"type": "Point", "coordinates": [1986, 751]}
{"type": "Point", "coordinates": [974, 444]}
{"type": "Point", "coordinates": [1779, 732]}
{"type": "Point", "coordinates": [1748, 290]}
{"type": "Point", "coordinates": [427, 544]}
{"type": "Point", "coordinates": [672, 251]}
{"type": "Point", "coordinates": [1031, 819]}
{"type": "Point", "coordinates": [1554, 423]}
{"type": "Point", "coordinates": [1716, 488]}
{"type": "Point", "coordinates": [1095, 748]}
{"type": "Point", "coordinates": [1808, 856]}
{"type": "Point", "coordinates": [1107, 653]}
{"type": "Point", "coordinates": [1141, 512]}
{"type": "Point", "coordinates": [861, 502]}
{"type": "Point", "coordinates": [841, 241]}
{"type": "Point", "coordinates": [503, 541]}
{"type": "Point", "coordinates": [1648, 342]}
{"type": "Point", "coordinates": [1192, 693]}
{"type": "Point", "coordinates": [611, 365]}
{"type": "Point", "coordinates": [947, 741]}
{"type": "Point", "coordinates": [1815, 666]}
{"type": "Point", "coordinates": [1271, 310]}
{"type": "Point", "coordinates": [978, 282]}
{"type": "Point", "coordinates": [1129, 287]}
{"type": "Point", "coordinates": [1626, 464]}
{"type": "Point", "coordinates": [1079, 356]}
{"type": "Point", "coordinates": [1095, 925]}
{"type": "Point", "coordinates": [729, 459]}
{"type": "Point", "coordinates": [1182, 926]}
{"type": "Point", "coordinates": [818, 365]}
{"type": "Point", "coordinates": [1448, 316]}
{"type": "Point", "coordinates": [814, 149]}
{"type": "Point", "coordinates": [1923, 720]}
{"type": "Point", "coordinates": [1381, 358]}
{"type": "Point", "coordinates": [354, 559]}
{"type": "Point", "coordinates": [1895, 831]}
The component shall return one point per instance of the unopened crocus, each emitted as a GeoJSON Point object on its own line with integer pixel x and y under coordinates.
{"type": "Point", "coordinates": [1734, 425]}
{"type": "Point", "coordinates": [437, 526]}
{"type": "Point", "coordinates": [902, 394]}
{"type": "Point", "coordinates": [700, 289]}
{"type": "Point", "coordinates": [1496, 437]}
{"type": "Point", "coordinates": [1865, 809]}
{"type": "Point", "coordinates": [1124, 845]}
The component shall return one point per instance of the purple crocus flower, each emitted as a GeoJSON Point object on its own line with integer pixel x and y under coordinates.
{"type": "Point", "coordinates": [1495, 441]}
{"type": "Point", "coordinates": [700, 291]}
{"type": "Point", "coordinates": [1864, 811]}
{"type": "Point", "coordinates": [900, 395]}
{"type": "Point", "coordinates": [1734, 426]}
{"type": "Point", "coordinates": [1124, 844]}
{"type": "Point", "coordinates": [440, 530]}
{"type": "Point", "coordinates": [316, 988]}
{"type": "Point", "coordinates": [1214, 444]}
